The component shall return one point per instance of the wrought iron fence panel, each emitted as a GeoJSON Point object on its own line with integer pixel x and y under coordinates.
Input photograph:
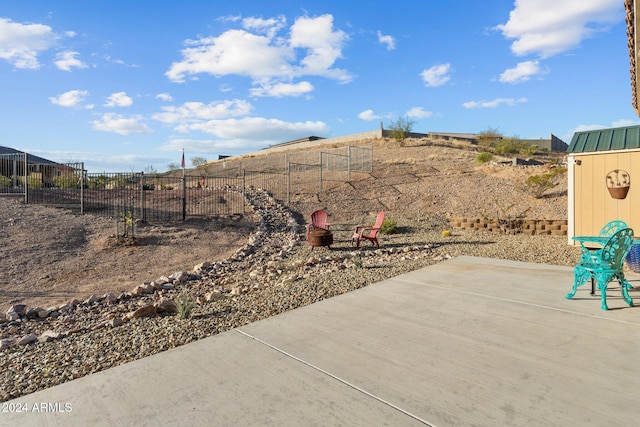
{"type": "Point", "coordinates": [215, 189]}
{"type": "Point", "coordinates": [12, 171]}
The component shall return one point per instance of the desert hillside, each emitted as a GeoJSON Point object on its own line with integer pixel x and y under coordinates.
{"type": "Point", "coordinates": [434, 178]}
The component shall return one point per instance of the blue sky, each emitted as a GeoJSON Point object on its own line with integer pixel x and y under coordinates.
{"type": "Point", "coordinates": [127, 85]}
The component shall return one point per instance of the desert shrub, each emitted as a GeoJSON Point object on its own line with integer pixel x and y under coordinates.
{"type": "Point", "coordinates": [537, 185]}
{"type": "Point", "coordinates": [128, 223]}
{"type": "Point", "coordinates": [506, 146]}
{"type": "Point", "coordinates": [389, 226]}
{"type": "Point", "coordinates": [484, 157]}
{"type": "Point", "coordinates": [198, 161]}
{"type": "Point", "coordinates": [357, 262]}
{"type": "Point", "coordinates": [98, 182]}
{"type": "Point", "coordinates": [400, 129]}
{"type": "Point", "coordinates": [489, 137]}
{"type": "Point", "coordinates": [67, 181]}
{"type": "Point", "coordinates": [34, 181]}
{"type": "Point", "coordinates": [184, 305]}
{"type": "Point", "coordinates": [5, 182]}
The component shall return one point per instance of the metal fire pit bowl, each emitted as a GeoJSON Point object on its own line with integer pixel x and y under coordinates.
{"type": "Point", "coordinates": [320, 237]}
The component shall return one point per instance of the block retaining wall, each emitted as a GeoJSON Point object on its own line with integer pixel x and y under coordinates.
{"type": "Point", "coordinates": [529, 226]}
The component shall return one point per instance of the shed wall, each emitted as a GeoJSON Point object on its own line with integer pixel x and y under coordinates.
{"type": "Point", "coordinates": [592, 204]}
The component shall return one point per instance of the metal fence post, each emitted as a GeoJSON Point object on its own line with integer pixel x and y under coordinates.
{"type": "Point", "coordinates": [82, 176]}
{"type": "Point", "coordinates": [288, 183]}
{"type": "Point", "coordinates": [26, 185]}
{"type": "Point", "coordinates": [349, 163]}
{"type": "Point", "coordinates": [142, 198]}
{"type": "Point", "coordinates": [244, 183]}
{"type": "Point", "coordinates": [320, 183]}
{"type": "Point", "coordinates": [184, 197]}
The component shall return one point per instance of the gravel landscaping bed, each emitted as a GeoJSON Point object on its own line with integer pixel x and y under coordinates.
{"type": "Point", "coordinates": [304, 275]}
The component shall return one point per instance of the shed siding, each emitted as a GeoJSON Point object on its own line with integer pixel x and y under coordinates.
{"type": "Point", "coordinates": [593, 206]}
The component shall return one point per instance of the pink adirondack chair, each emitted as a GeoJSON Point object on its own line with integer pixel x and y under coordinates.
{"type": "Point", "coordinates": [318, 220]}
{"type": "Point", "coordinates": [369, 233]}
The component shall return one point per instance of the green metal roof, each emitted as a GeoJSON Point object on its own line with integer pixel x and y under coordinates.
{"type": "Point", "coordinates": [605, 140]}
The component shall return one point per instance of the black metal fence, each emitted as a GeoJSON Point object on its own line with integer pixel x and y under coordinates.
{"type": "Point", "coordinates": [173, 197]}
{"type": "Point", "coordinates": [156, 198]}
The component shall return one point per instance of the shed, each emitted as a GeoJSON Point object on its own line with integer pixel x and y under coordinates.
{"type": "Point", "coordinates": [603, 179]}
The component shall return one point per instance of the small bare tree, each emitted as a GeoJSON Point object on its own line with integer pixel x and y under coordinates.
{"type": "Point", "coordinates": [198, 161]}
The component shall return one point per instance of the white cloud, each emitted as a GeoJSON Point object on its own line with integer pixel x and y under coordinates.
{"type": "Point", "coordinates": [264, 57]}
{"type": "Point", "coordinates": [20, 44]}
{"type": "Point", "coordinates": [436, 75]}
{"type": "Point", "coordinates": [271, 129]}
{"type": "Point", "coordinates": [368, 115]}
{"type": "Point", "coordinates": [625, 123]}
{"type": "Point", "coordinates": [119, 99]}
{"type": "Point", "coordinates": [270, 27]}
{"type": "Point", "coordinates": [67, 60]}
{"type": "Point", "coordinates": [418, 113]}
{"type": "Point", "coordinates": [72, 98]}
{"type": "Point", "coordinates": [119, 124]}
{"type": "Point", "coordinates": [549, 27]}
{"type": "Point", "coordinates": [233, 52]}
{"type": "Point", "coordinates": [166, 97]}
{"type": "Point", "coordinates": [323, 47]}
{"type": "Point", "coordinates": [494, 103]}
{"type": "Point", "coordinates": [522, 72]}
{"type": "Point", "coordinates": [283, 89]}
{"type": "Point", "coordinates": [252, 129]}
{"type": "Point", "coordinates": [389, 41]}
{"type": "Point", "coordinates": [197, 112]}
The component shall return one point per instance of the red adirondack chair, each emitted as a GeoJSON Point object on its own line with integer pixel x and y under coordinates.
{"type": "Point", "coordinates": [369, 233]}
{"type": "Point", "coordinates": [318, 220]}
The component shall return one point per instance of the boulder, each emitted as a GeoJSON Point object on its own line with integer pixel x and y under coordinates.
{"type": "Point", "coordinates": [110, 298]}
{"type": "Point", "coordinates": [47, 336]}
{"type": "Point", "coordinates": [27, 339]}
{"type": "Point", "coordinates": [146, 311]}
{"type": "Point", "coordinates": [7, 342]}
{"type": "Point", "coordinates": [166, 305]}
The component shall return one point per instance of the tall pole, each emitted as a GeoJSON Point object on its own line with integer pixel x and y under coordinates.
{"type": "Point", "coordinates": [184, 190]}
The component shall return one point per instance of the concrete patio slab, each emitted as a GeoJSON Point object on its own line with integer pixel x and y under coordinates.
{"type": "Point", "coordinates": [469, 341]}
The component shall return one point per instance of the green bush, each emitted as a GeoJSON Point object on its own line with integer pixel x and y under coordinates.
{"type": "Point", "coordinates": [34, 181]}
{"type": "Point", "coordinates": [5, 182]}
{"type": "Point", "coordinates": [67, 181]}
{"type": "Point", "coordinates": [537, 185]}
{"type": "Point", "coordinates": [389, 226]}
{"type": "Point", "coordinates": [400, 129]}
{"type": "Point", "coordinates": [98, 182]}
{"type": "Point", "coordinates": [484, 157]}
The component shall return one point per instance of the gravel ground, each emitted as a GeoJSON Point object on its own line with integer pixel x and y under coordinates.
{"type": "Point", "coordinates": [303, 276]}
{"type": "Point", "coordinates": [279, 272]}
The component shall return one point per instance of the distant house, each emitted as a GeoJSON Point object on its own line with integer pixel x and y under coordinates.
{"type": "Point", "coordinates": [603, 179]}
{"type": "Point", "coordinates": [15, 165]}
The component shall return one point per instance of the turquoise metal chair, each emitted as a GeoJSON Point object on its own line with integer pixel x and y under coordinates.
{"type": "Point", "coordinates": [609, 229]}
{"type": "Point", "coordinates": [605, 265]}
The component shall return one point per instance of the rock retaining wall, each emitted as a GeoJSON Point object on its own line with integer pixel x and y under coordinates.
{"type": "Point", "coordinates": [527, 226]}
